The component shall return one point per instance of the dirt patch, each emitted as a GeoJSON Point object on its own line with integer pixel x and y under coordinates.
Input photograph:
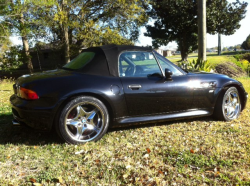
{"type": "Point", "coordinates": [230, 69]}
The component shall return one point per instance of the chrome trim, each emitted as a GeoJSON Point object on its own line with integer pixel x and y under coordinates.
{"type": "Point", "coordinates": [191, 113]}
{"type": "Point", "coordinates": [15, 122]}
{"type": "Point", "coordinates": [134, 86]}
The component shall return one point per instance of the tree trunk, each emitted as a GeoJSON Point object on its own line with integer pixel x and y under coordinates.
{"type": "Point", "coordinates": [219, 44]}
{"type": "Point", "coordinates": [26, 47]}
{"type": "Point", "coordinates": [65, 29]}
{"type": "Point", "coordinates": [184, 55]}
{"type": "Point", "coordinates": [202, 30]}
{"type": "Point", "coordinates": [183, 49]}
{"type": "Point", "coordinates": [66, 44]}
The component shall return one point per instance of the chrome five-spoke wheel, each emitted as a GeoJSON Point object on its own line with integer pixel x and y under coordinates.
{"type": "Point", "coordinates": [228, 106]}
{"type": "Point", "coordinates": [83, 119]}
{"type": "Point", "coordinates": [231, 104]}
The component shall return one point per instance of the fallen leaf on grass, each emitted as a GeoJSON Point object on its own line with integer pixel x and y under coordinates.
{"type": "Point", "coordinates": [160, 172]}
{"type": "Point", "coordinates": [97, 162]}
{"type": "Point", "coordinates": [217, 174]}
{"type": "Point", "coordinates": [22, 174]}
{"type": "Point", "coordinates": [148, 150]}
{"type": "Point", "coordinates": [33, 180]}
{"type": "Point", "coordinates": [192, 151]}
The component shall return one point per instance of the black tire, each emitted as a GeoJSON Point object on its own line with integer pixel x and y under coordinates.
{"type": "Point", "coordinates": [83, 119]}
{"type": "Point", "coordinates": [228, 105]}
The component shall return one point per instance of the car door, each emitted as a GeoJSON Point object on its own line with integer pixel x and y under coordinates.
{"type": "Point", "coordinates": [146, 91]}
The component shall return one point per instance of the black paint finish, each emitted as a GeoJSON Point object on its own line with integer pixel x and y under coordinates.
{"type": "Point", "coordinates": [128, 99]}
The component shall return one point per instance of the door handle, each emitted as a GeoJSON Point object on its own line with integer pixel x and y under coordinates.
{"type": "Point", "coordinates": [134, 87]}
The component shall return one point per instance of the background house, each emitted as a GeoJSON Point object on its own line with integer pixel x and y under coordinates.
{"type": "Point", "coordinates": [165, 53]}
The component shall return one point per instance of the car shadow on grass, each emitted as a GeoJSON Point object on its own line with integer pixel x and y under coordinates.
{"type": "Point", "coordinates": [23, 134]}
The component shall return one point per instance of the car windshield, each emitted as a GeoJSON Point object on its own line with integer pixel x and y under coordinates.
{"type": "Point", "coordinates": [80, 61]}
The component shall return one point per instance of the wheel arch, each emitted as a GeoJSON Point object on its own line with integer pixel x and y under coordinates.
{"type": "Point", "coordinates": [238, 87]}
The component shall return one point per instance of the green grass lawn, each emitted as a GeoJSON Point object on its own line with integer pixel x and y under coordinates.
{"type": "Point", "coordinates": [213, 58]}
{"type": "Point", "coordinates": [185, 152]}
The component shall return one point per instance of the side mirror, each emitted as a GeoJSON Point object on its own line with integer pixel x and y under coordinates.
{"type": "Point", "coordinates": [168, 74]}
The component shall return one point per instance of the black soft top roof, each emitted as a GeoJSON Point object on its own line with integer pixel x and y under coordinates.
{"type": "Point", "coordinates": [105, 61]}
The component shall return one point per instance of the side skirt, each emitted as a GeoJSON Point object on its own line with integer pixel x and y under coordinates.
{"type": "Point", "coordinates": [178, 115]}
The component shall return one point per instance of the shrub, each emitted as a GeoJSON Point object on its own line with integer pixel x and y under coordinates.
{"type": "Point", "coordinates": [243, 61]}
{"type": "Point", "coordinates": [239, 64]}
{"type": "Point", "coordinates": [246, 66]}
{"type": "Point", "coordinates": [240, 57]}
{"type": "Point", "coordinates": [12, 59]}
{"type": "Point", "coordinates": [246, 56]}
{"type": "Point", "coordinates": [195, 65]}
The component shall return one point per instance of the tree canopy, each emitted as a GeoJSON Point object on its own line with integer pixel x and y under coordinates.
{"type": "Point", "coordinates": [246, 44]}
{"type": "Point", "coordinates": [89, 23]}
{"type": "Point", "coordinates": [177, 21]}
{"type": "Point", "coordinates": [74, 24]}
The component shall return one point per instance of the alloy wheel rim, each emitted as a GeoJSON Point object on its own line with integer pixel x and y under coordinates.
{"type": "Point", "coordinates": [84, 122]}
{"type": "Point", "coordinates": [231, 104]}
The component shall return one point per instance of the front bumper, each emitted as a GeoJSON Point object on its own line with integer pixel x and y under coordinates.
{"type": "Point", "coordinates": [24, 112]}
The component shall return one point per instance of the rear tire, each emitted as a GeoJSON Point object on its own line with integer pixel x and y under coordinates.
{"type": "Point", "coordinates": [228, 105]}
{"type": "Point", "coordinates": [83, 119]}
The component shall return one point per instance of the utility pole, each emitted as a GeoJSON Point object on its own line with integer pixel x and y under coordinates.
{"type": "Point", "coordinates": [202, 30]}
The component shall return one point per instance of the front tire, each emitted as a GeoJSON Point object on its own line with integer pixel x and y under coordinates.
{"type": "Point", "coordinates": [83, 119]}
{"type": "Point", "coordinates": [228, 106]}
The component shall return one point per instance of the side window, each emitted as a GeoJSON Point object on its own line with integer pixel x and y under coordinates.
{"type": "Point", "coordinates": [80, 61]}
{"type": "Point", "coordinates": [137, 64]}
{"type": "Point", "coordinates": [166, 64]}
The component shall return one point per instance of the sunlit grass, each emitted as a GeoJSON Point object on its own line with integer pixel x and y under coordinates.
{"type": "Point", "coordinates": [5, 92]}
{"type": "Point", "coordinates": [186, 152]}
{"type": "Point", "coordinates": [213, 58]}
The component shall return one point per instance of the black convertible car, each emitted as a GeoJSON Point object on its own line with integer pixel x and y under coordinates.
{"type": "Point", "coordinates": [116, 85]}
